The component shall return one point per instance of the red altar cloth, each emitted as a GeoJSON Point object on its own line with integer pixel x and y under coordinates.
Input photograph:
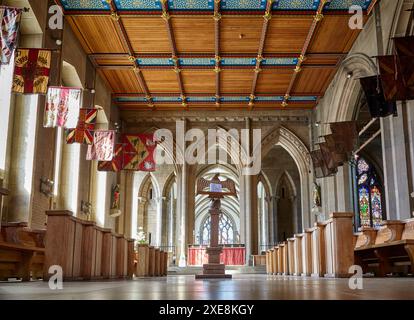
{"type": "Point", "coordinates": [229, 256]}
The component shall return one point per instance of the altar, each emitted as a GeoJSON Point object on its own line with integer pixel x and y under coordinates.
{"type": "Point", "coordinates": [234, 255]}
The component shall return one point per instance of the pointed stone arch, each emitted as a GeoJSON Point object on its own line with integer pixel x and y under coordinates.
{"type": "Point", "coordinates": [285, 138]}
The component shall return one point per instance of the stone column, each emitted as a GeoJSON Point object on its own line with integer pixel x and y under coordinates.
{"type": "Point", "coordinates": [410, 137]}
{"type": "Point", "coordinates": [344, 187]}
{"type": "Point", "coordinates": [248, 216]}
{"type": "Point", "coordinates": [142, 202]}
{"type": "Point", "coordinates": [275, 222]}
{"type": "Point", "coordinates": [395, 167]}
{"type": "Point", "coordinates": [22, 155]}
{"type": "Point", "coordinates": [182, 234]}
{"type": "Point", "coordinates": [160, 208]}
{"type": "Point", "coordinates": [293, 199]}
{"type": "Point", "coordinates": [270, 217]}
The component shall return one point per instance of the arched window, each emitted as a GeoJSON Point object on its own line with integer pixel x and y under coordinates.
{"type": "Point", "coordinates": [226, 230]}
{"type": "Point", "coordinates": [370, 204]}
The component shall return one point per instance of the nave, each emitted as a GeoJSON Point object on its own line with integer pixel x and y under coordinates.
{"type": "Point", "coordinates": [241, 287]}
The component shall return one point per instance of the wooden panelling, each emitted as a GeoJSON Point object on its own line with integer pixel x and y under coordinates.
{"type": "Point", "coordinates": [113, 60]}
{"type": "Point", "coordinates": [193, 34]}
{"type": "Point", "coordinates": [333, 35]}
{"type": "Point", "coordinates": [275, 81]}
{"type": "Point", "coordinates": [287, 34]}
{"type": "Point", "coordinates": [199, 81]}
{"type": "Point", "coordinates": [240, 34]}
{"type": "Point", "coordinates": [313, 80]}
{"type": "Point", "coordinates": [97, 34]}
{"type": "Point", "coordinates": [161, 81]}
{"type": "Point", "coordinates": [323, 59]}
{"type": "Point", "coordinates": [236, 81]}
{"type": "Point", "coordinates": [122, 81]}
{"type": "Point", "coordinates": [147, 34]}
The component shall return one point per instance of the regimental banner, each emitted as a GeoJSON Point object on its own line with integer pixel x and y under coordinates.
{"type": "Point", "coordinates": [391, 78]}
{"type": "Point", "coordinates": [9, 30]}
{"type": "Point", "coordinates": [377, 105]}
{"type": "Point", "coordinates": [337, 150]}
{"type": "Point", "coordinates": [102, 148]}
{"type": "Point", "coordinates": [320, 167]}
{"type": "Point", "coordinates": [83, 133]}
{"type": "Point", "coordinates": [117, 162]}
{"type": "Point", "coordinates": [405, 50]}
{"type": "Point", "coordinates": [345, 133]}
{"type": "Point", "coordinates": [62, 107]}
{"type": "Point", "coordinates": [139, 152]}
{"type": "Point", "coordinates": [31, 71]}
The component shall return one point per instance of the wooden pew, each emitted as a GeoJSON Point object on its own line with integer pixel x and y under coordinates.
{"type": "Point", "coordinates": [274, 260]}
{"type": "Point", "coordinates": [298, 254]}
{"type": "Point", "coordinates": [84, 250]}
{"type": "Point", "coordinates": [393, 247]}
{"type": "Point", "coordinates": [284, 258]}
{"type": "Point", "coordinates": [21, 252]}
{"type": "Point", "coordinates": [307, 252]}
{"type": "Point", "coordinates": [143, 261]}
{"type": "Point", "coordinates": [339, 244]}
{"type": "Point", "coordinates": [291, 256]}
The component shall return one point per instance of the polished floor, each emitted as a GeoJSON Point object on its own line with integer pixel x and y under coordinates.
{"type": "Point", "coordinates": [242, 287]}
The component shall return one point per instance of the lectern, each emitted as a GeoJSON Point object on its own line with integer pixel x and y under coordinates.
{"type": "Point", "coordinates": [216, 190]}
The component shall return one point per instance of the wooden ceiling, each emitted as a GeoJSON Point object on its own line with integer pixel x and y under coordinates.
{"type": "Point", "coordinates": [212, 54]}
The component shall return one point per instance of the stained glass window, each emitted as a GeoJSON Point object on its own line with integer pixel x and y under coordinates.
{"type": "Point", "coordinates": [226, 230]}
{"type": "Point", "coordinates": [369, 195]}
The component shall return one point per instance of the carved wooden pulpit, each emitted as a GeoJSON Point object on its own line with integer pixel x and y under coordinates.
{"type": "Point", "coordinates": [215, 189]}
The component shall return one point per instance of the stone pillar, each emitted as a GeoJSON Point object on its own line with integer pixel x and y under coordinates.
{"type": "Point", "coordinates": [275, 202]}
{"type": "Point", "coordinates": [344, 187]}
{"type": "Point", "coordinates": [395, 167]}
{"type": "Point", "coordinates": [410, 137]}
{"type": "Point", "coordinates": [248, 216]}
{"type": "Point", "coordinates": [22, 155]}
{"type": "Point", "coordinates": [159, 230]}
{"type": "Point", "coordinates": [270, 217]}
{"type": "Point", "coordinates": [69, 179]}
{"type": "Point", "coordinates": [142, 203]}
{"type": "Point", "coordinates": [183, 217]}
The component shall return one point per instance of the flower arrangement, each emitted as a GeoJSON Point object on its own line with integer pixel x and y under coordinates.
{"type": "Point", "coordinates": [141, 237]}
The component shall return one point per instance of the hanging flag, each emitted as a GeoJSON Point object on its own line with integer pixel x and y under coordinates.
{"type": "Point", "coordinates": [9, 30]}
{"type": "Point", "coordinates": [377, 105]}
{"type": "Point", "coordinates": [116, 164]}
{"type": "Point", "coordinates": [320, 167]}
{"type": "Point", "coordinates": [337, 150]}
{"type": "Point", "coordinates": [345, 133]}
{"type": "Point", "coordinates": [404, 47]}
{"type": "Point", "coordinates": [139, 152]}
{"type": "Point", "coordinates": [31, 71]}
{"type": "Point", "coordinates": [102, 148]}
{"type": "Point", "coordinates": [62, 107]}
{"type": "Point", "coordinates": [83, 133]}
{"type": "Point", "coordinates": [391, 79]}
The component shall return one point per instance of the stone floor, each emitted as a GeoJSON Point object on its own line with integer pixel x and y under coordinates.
{"type": "Point", "coordinates": [242, 287]}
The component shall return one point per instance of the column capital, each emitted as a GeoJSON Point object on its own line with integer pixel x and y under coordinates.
{"type": "Point", "coordinates": [142, 199]}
